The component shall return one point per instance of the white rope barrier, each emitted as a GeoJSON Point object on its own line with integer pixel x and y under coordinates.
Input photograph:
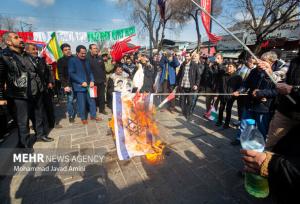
{"type": "Point", "coordinates": [197, 94]}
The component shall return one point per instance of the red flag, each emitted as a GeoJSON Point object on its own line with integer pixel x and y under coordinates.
{"type": "Point", "coordinates": [24, 35]}
{"type": "Point", "coordinates": [121, 48]}
{"type": "Point", "coordinates": [206, 4]}
{"type": "Point", "coordinates": [265, 44]}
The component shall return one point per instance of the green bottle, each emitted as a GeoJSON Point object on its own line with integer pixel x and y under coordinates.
{"type": "Point", "coordinates": [252, 139]}
{"type": "Point", "coordinates": [256, 185]}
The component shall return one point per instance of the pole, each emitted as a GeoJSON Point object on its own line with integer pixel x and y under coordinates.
{"type": "Point", "coordinates": [243, 44]}
{"type": "Point", "coordinates": [210, 26]}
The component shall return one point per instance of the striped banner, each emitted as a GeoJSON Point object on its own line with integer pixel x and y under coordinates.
{"type": "Point", "coordinates": [134, 136]}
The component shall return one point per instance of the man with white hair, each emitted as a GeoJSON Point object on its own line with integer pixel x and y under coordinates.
{"type": "Point", "coordinates": [279, 68]}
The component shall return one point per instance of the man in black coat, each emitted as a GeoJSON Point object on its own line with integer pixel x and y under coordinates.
{"type": "Point", "coordinates": [213, 70]}
{"type": "Point", "coordinates": [149, 75]}
{"type": "Point", "coordinates": [98, 70]}
{"type": "Point", "coordinates": [48, 79]}
{"type": "Point", "coordinates": [229, 83]}
{"type": "Point", "coordinates": [63, 75]}
{"type": "Point", "coordinates": [281, 167]}
{"type": "Point", "coordinates": [258, 107]}
{"type": "Point", "coordinates": [188, 81]}
{"type": "Point", "coordinates": [24, 86]}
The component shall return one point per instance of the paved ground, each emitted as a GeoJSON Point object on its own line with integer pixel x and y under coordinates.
{"type": "Point", "coordinates": [200, 166]}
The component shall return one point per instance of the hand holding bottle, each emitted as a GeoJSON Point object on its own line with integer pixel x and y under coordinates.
{"type": "Point", "coordinates": [253, 160]}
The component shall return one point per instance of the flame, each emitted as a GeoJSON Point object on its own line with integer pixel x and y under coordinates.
{"type": "Point", "coordinates": [111, 125]}
{"type": "Point", "coordinates": [157, 156]}
{"type": "Point", "coordinates": [140, 123]}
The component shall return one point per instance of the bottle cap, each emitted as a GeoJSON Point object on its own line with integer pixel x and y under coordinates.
{"type": "Point", "coordinates": [250, 122]}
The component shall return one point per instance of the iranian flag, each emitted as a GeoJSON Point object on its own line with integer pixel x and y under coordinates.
{"type": "Point", "coordinates": [93, 91]}
{"type": "Point", "coordinates": [52, 53]}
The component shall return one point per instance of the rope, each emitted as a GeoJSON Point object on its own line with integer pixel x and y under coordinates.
{"type": "Point", "coordinates": [197, 94]}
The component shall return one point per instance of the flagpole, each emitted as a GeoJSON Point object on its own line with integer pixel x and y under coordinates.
{"type": "Point", "coordinates": [210, 26]}
{"type": "Point", "coordinates": [243, 44]}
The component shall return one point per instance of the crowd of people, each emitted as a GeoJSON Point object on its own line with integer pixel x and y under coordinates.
{"type": "Point", "coordinates": [27, 87]}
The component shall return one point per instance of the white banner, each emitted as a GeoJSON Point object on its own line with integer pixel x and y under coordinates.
{"type": "Point", "coordinates": [62, 36]}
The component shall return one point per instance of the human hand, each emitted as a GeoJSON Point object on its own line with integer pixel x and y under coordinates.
{"type": "Point", "coordinates": [84, 84]}
{"type": "Point", "coordinates": [253, 160]}
{"type": "Point", "coordinates": [266, 66]}
{"type": "Point", "coordinates": [3, 102]}
{"type": "Point", "coordinates": [283, 88]}
{"type": "Point", "coordinates": [254, 93]}
{"type": "Point", "coordinates": [195, 87]}
{"type": "Point", "coordinates": [236, 93]}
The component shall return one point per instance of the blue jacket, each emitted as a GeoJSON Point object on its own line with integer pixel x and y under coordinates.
{"type": "Point", "coordinates": [171, 69]}
{"type": "Point", "coordinates": [77, 74]}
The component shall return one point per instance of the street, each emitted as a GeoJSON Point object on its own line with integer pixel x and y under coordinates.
{"type": "Point", "coordinates": [199, 166]}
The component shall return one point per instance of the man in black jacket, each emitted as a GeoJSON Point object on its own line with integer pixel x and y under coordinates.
{"type": "Point", "coordinates": [230, 82]}
{"type": "Point", "coordinates": [62, 66]}
{"type": "Point", "coordinates": [98, 70]}
{"type": "Point", "coordinates": [210, 79]}
{"type": "Point", "coordinates": [281, 167]}
{"type": "Point", "coordinates": [188, 80]}
{"type": "Point", "coordinates": [48, 79]}
{"type": "Point", "coordinates": [257, 107]}
{"type": "Point", "coordinates": [149, 75]}
{"type": "Point", "coordinates": [24, 86]}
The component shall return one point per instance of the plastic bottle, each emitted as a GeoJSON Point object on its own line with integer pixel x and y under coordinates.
{"type": "Point", "coordinates": [252, 139]}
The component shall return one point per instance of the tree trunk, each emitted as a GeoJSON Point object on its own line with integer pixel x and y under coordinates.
{"type": "Point", "coordinates": [257, 47]}
{"type": "Point", "coordinates": [162, 36]}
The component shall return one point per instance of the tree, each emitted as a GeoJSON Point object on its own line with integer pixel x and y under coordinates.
{"type": "Point", "coordinates": [7, 23]}
{"type": "Point", "coordinates": [265, 16]}
{"type": "Point", "coordinates": [145, 13]}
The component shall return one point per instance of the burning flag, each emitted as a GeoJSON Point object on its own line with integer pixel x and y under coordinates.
{"type": "Point", "coordinates": [134, 127]}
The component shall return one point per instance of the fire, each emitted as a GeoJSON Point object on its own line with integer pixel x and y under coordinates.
{"type": "Point", "coordinates": [157, 156]}
{"type": "Point", "coordinates": [111, 126]}
{"type": "Point", "coordinates": [141, 128]}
